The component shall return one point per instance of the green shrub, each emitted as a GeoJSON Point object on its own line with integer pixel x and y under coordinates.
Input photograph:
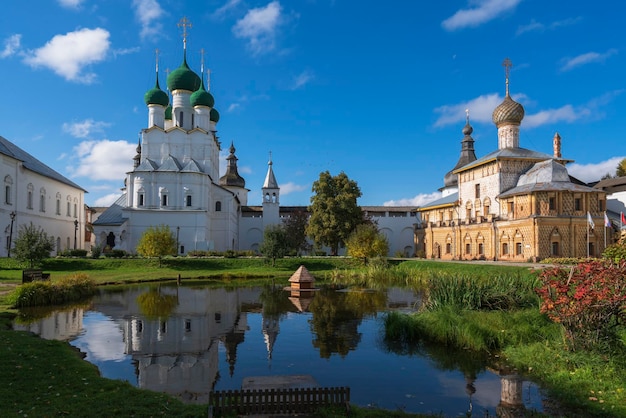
{"type": "Point", "coordinates": [563, 260]}
{"type": "Point", "coordinates": [615, 253]}
{"type": "Point", "coordinates": [197, 253]}
{"type": "Point", "coordinates": [41, 293]}
{"type": "Point", "coordinates": [115, 254]}
{"type": "Point", "coordinates": [230, 254]}
{"type": "Point", "coordinates": [96, 251]}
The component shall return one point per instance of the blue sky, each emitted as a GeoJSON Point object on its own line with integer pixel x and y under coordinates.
{"type": "Point", "coordinates": [377, 90]}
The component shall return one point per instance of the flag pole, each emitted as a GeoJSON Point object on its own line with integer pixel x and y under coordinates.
{"type": "Point", "coordinates": [587, 240]}
{"type": "Point", "coordinates": [605, 218]}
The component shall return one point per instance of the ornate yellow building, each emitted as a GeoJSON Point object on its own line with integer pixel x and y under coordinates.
{"type": "Point", "coordinates": [512, 204]}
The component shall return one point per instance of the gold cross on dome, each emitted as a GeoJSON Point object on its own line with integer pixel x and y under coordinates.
{"type": "Point", "coordinates": [507, 64]}
{"type": "Point", "coordinates": [184, 23]}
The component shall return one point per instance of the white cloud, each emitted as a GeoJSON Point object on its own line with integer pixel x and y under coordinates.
{"type": "Point", "coordinates": [125, 51]}
{"type": "Point", "coordinates": [594, 172]}
{"type": "Point", "coordinates": [85, 128]}
{"type": "Point", "coordinates": [481, 109]}
{"type": "Point", "coordinates": [67, 55]}
{"type": "Point", "coordinates": [587, 58]}
{"type": "Point", "coordinates": [70, 4]}
{"type": "Point", "coordinates": [103, 160]}
{"type": "Point", "coordinates": [259, 27]}
{"type": "Point", "coordinates": [302, 79]}
{"type": "Point", "coordinates": [11, 45]}
{"type": "Point", "coordinates": [565, 113]}
{"type": "Point", "coordinates": [107, 200]}
{"type": "Point", "coordinates": [419, 200]}
{"type": "Point", "coordinates": [233, 107]}
{"type": "Point", "coordinates": [535, 26]}
{"type": "Point", "coordinates": [291, 187]}
{"type": "Point", "coordinates": [227, 7]}
{"type": "Point", "coordinates": [147, 13]}
{"type": "Point", "coordinates": [482, 12]}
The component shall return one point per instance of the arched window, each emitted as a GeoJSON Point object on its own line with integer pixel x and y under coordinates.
{"type": "Point", "coordinates": [8, 183]}
{"type": "Point", "coordinates": [164, 197]}
{"type": "Point", "coordinates": [486, 206]}
{"type": "Point", "coordinates": [42, 200]}
{"type": "Point", "coordinates": [555, 242]}
{"type": "Point", "coordinates": [468, 212]}
{"type": "Point", "coordinates": [519, 246]}
{"type": "Point", "coordinates": [29, 195]}
{"type": "Point", "coordinates": [188, 200]}
{"type": "Point", "coordinates": [218, 206]}
{"type": "Point", "coordinates": [58, 205]}
{"type": "Point", "coordinates": [141, 197]}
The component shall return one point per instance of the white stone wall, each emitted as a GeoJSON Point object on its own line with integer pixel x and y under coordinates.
{"type": "Point", "coordinates": [56, 223]}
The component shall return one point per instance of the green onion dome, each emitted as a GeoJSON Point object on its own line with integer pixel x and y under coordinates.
{"type": "Point", "coordinates": [168, 113]}
{"type": "Point", "coordinates": [201, 97]}
{"type": "Point", "coordinates": [214, 115]}
{"type": "Point", "coordinates": [156, 96]}
{"type": "Point", "coordinates": [183, 78]}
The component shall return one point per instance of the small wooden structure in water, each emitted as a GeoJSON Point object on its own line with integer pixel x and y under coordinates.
{"type": "Point", "coordinates": [301, 283]}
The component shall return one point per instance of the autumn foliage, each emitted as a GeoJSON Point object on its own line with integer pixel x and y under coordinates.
{"type": "Point", "coordinates": [588, 299]}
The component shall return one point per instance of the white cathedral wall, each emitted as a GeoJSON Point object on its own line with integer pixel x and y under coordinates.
{"type": "Point", "coordinates": [191, 227]}
{"type": "Point", "coordinates": [60, 226]}
{"type": "Point", "coordinates": [158, 145]}
{"type": "Point", "coordinates": [399, 232]}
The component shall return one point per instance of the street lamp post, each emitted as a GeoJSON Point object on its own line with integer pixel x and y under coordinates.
{"type": "Point", "coordinates": [12, 215]}
{"type": "Point", "coordinates": [75, 231]}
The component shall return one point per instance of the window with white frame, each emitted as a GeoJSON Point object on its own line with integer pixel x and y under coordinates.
{"type": "Point", "coordinates": [42, 200]}
{"type": "Point", "coordinates": [29, 195]}
{"type": "Point", "coordinates": [8, 187]}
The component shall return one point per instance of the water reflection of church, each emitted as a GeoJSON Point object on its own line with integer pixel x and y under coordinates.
{"type": "Point", "coordinates": [178, 353]}
{"type": "Point", "coordinates": [175, 335]}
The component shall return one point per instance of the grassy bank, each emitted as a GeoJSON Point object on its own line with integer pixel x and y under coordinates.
{"type": "Point", "coordinates": [500, 315]}
{"type": "Point", "coordinates": [116, 270]}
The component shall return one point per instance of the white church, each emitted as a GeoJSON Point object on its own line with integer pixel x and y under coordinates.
{"type": "Point", "coordinates": [175, 181]}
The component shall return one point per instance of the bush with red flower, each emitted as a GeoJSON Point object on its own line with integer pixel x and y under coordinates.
{"type": "Point", "coordinates": [589, 299]}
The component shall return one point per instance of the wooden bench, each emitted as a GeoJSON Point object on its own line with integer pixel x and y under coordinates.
{"type": "Point", "coordinates": [277, 401]}
{"type": "Point", "coordinates": [34, 275]}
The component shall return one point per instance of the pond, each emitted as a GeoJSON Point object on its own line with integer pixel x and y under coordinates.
{"type": "Point", "coordinates": [188, 341]}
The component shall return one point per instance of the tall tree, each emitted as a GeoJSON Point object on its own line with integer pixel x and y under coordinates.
{"type": "Point", "coordinates": [295, 228]}
{"type": "Point", "coordinates": [32, 245]}
{"type": "Point", "coordinates": [621, 168]}
{"type": "Point", "coordinates": [158, 242]}
{"type": "Point", "coordinates": [334, 210]}
{"type": "Point", "coordinates": [274, 243]}
{"type": "Point", "coordinates": [367, 242]}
